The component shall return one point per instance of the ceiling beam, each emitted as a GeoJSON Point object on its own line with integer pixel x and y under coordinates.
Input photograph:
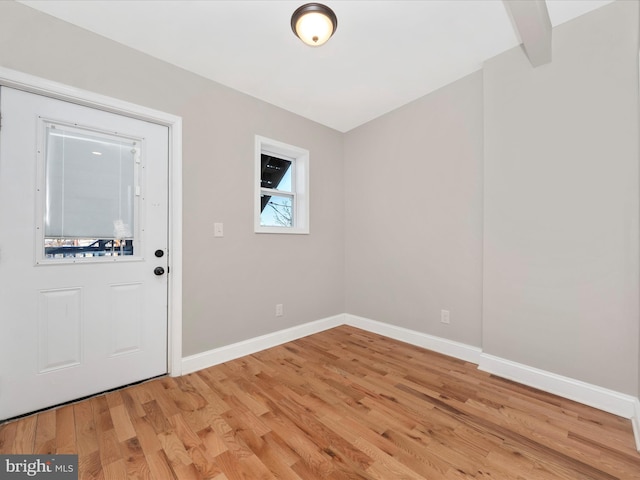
{"type": "Point", "coordinates": [532, 23]}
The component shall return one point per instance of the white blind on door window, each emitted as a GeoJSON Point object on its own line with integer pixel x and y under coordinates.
{"type": "Point", "coordinates": [90, 184]}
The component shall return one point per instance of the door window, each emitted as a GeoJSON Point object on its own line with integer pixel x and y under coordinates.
{"type": "Point", "coordinates": [89, 190]}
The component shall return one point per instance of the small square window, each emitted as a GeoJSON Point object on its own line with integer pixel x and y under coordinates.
{"type": "Point", "coordinates": [282, 193]}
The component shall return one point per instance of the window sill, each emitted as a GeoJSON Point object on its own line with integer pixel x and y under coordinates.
{"type": "Point", "coordinates": [282, 230]}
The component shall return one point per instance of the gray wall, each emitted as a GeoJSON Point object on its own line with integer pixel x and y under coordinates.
{"type": "Point", "coordinates": [403, 212]}
{"type": "Point", "coordinates": [547, 273]}
{"type": "Point", "coordinates": [231, 284]}
{"type": "Point", "coordinates": [414, 214]}
{"type": "Point", "coordinates": [561, 203]}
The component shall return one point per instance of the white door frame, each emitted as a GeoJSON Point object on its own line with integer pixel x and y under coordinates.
{"type": "Point", "coordinates": [37, 85]}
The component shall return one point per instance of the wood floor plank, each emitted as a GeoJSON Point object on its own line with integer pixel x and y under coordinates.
{"type": "Point", "coordinates": [270, 453]}
{"type": "Point", "coordinates": [101, 414]}
{"type": "Point", "coordinates": [7, 437]}
{"type": "Point", "coordinates": [66, 440]}
{"type": "Point", "coordinates": [159, 466]}
{"type": "Point", "coordinates": [109, 447]}
{"type": "Point", "coordinates": [132, 403]}
{"type": "Point", "coordinates": [309, 453]}
{"type": "Point", "coordinates": [155, 417]}
{"type": "Point", "coordinates": [146, 435]}
{"type": "Point", "coordinates": [213, 444]}
{"type": "Point", "coordinates": [25, 435]}
{"type": "Point", "coordinates": [182, 430]}
{"type": "Point", "coordinates": [90, 467]}
{"type": "Point", "coordinates": [122, 423]}
{"type": "Point", "coordinates": [134, 460]}
{"type": "Point", "coordinates": [174, 449]}
{"type": "Point", "coordinates": [86, 436]}
{"type": "Point", "coordinates": [45, 441]}
{"type": "Point", "coordinates": [115, 471]}
{"type": "Point", "coordinates": [343, 404]}
{"type": "Point", "coordinates": [205, 463]}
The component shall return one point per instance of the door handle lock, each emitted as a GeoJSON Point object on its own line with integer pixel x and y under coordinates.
{"type": "Point", "coordinates": [158, 271]}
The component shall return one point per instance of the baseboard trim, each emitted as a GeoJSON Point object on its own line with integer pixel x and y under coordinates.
{"type": "Point", "coordinates": [586, 393]}
{"type": "Point", "coordinates": [220, 355]}
{"type": "Point", "coordinates": [452, 348]}
{"type": "Point", "coordinates": [635, 422]}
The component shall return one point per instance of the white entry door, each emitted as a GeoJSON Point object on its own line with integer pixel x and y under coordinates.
{"type": "Point", "coordinates": [83, 251]}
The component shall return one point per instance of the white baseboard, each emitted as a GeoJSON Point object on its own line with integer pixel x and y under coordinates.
{"type": "Point", "coordinates": [458, 350]}
{"type": "Point", "coordinates": [610, 401]}
{"type": "Point", "coordinates": [598, 397]}
{"type": "Point", "coordinates": [635, 422]}
{"type": "Point", "coordinates": [216, 356]}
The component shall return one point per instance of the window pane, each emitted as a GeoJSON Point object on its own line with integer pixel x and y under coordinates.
{"type": "Point", "coordinates": [56, 248]}
{"type": "Point", "coordinates": [276, 173]}
{"type": "Point", "coordinates": [277, 211]}
{"type": "Point", "coordinates": [90, 193]}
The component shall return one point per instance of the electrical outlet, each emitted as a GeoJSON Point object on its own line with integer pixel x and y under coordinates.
{"type": "Point", "coordinates": [445, 316]}
{"type": "Point", "coordinates": [279, 310]}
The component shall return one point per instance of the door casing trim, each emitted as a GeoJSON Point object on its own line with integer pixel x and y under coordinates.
{"type": "Point", "coordinates": [33, 84]}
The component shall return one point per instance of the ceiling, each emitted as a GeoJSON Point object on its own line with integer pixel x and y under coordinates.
{"type": "Point", "coordinates": [383, 55]}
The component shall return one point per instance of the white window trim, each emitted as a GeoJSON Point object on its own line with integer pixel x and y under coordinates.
{"type": "Point", "coordinates": [300, 184]}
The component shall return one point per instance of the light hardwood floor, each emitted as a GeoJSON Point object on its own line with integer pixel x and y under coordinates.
{"type": "Point", "coordinates": [341, 404]}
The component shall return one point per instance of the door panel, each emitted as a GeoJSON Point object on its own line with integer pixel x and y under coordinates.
{"type": "Point", "coordinates": [126, 318]}
{"type": "Point", "coordinates": [83, 208]}
{"type": "Point", "coordinates": [59, 332]}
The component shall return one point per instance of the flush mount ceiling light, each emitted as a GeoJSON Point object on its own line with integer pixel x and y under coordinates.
{"type": "Point", "coordinates": [314, 23]}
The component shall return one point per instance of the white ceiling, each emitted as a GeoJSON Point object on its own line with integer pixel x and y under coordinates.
{"type": "Point", "coordinates": [383, 55]}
